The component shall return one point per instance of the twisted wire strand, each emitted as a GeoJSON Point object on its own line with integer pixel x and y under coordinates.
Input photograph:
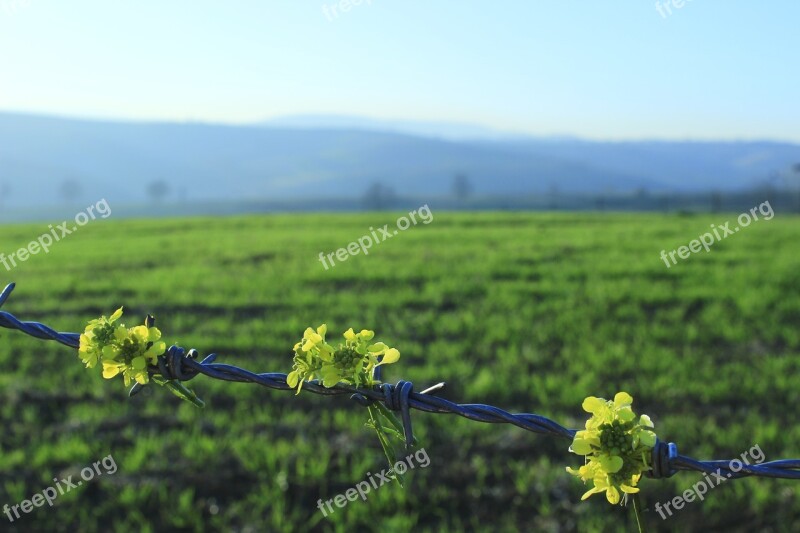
{"type": "Point", "coordinates": [177, 364]}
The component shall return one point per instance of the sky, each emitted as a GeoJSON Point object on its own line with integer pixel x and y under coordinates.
{"type": "Point", "coordinates": [709, 69]}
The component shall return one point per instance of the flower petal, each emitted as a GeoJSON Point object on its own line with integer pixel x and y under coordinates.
{"type": "Point", "coordinates": [110, 371]}
{"type": "Point", "coordinates": [622, 399]}
{"type": "Point", "coordinates": [378, 347]}
{"type": "Point", "coordinates": [392, 355]}
{"type": "Point", "coordinates": [330, 380]}
{"type": "Point", "coordinates": [648, 438]}
{"type": "Point", "coordinates": [612, 495]}
{"type": "Point", "coordinates": [581, 447]}
{"type": "Point", "coordinates": [611, 463]}
{"type": "Point", "coordinates": [593, 404]}
{"type": "Point", "coordinates": [593, 490]}
{"type": "Point", "coordinates": [626, 414]}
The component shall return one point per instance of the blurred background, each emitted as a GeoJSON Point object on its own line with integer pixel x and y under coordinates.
{"type": "Point", "coordinates": [559, 148]}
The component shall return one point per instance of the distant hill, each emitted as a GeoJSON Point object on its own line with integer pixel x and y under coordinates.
{"type": "Point", "coordinates": [44, 160]}
{"type": "Point", "coordinates": [452, 131]}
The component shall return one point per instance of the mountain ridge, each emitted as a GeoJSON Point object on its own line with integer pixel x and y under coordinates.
{"type": "Point", "coordinates": [41, 155]}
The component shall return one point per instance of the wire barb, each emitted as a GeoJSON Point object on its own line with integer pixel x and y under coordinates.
{"type": "Point", "coordinates": [662, 457]}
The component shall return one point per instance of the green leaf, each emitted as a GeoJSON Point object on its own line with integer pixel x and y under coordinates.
{"type": "Point", "coordinates": [386, 444]}
{"type": "Point", "coordinates": [392, 419]}
{"type": "Point", "coordinates": [181, 391]}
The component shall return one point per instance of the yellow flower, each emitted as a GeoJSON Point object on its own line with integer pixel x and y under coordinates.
{"type": "Point", "coordinates": [616, 447]}
{"type": "Point", "coordinates": [131, 352]}
{"type": "Point", "coordinates": [351, 362]}
{"type": "Point", "coordinates": [121, 350]}
{"type": "Point", "coordinates": [98, 333]}
{"type": "Point", "coordinates": [309, 354]}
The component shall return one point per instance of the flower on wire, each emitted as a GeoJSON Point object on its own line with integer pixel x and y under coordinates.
{"type": "Point", "coordinates": [309, 354]}
{"type": "Point", "coordinates": [352, 362]}
{"type": "Point", "coordinates": [616, 447]}
{"type": "Point", "coordinates": [126, 351]}
{"type": "Point", "coordinates": [99, 333]}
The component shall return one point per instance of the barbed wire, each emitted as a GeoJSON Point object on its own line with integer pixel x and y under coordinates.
{"type": "Point", "coordinates": [178, 364]}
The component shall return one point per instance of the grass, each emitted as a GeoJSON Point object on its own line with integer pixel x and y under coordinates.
{"type": "Point", "coordinates": [528, 312]}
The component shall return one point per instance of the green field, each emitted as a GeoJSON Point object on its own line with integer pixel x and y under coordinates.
{"type": "Point", "coordinates": [528, 312]}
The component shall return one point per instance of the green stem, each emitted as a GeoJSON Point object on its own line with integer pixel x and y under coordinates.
{"type": "Point", "coordinates": [390, 416]}
{"type": "Point", "coordinates": [388, 450]}
{"type": "Point", "coordinates": [636, 505]}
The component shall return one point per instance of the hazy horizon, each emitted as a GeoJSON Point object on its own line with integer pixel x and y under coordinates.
{"type": "Point", "coordinates": [473, 130]}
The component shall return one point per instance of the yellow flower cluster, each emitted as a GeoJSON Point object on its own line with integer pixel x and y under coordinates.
{"type": "Point", "coordinates": [351, 362]}
{"type": "Point", "coordinates": [617, 447]}
{"type": "Point", "coordinates": [126, 351]}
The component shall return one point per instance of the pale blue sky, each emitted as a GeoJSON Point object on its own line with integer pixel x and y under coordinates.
{"type": "Point", "coordinates": [597, 69]}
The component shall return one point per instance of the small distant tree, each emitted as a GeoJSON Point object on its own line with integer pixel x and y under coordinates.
{"type": "Point", "coordinates": [158, 190]}
{"type": "Point", "coordinates": [605, 198]}
{"type": "Point", "coordinates": [641, 198]}
{"type": "Point", "coordinates": [553, 196]}
{"type": "Point", "coordinates": [462, 188]}
{"type": "Point", "coordinates": [379, 196]}
{"type": "Point", "coordinates": [665, 202]}
{"type": "Point", "coordinates": [768, 188]}
{"type": "Point", "coordinates": [70, 190]}
{"type": "Point", "coordinates": [600, 202]}
{"type": "Point", "coordinates": [716, 201]}
{"type": "Point", "coordinates": [791, 179]}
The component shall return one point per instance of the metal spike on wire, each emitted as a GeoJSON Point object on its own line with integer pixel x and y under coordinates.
{"type": "Point", "coordinates": [178, 364]}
